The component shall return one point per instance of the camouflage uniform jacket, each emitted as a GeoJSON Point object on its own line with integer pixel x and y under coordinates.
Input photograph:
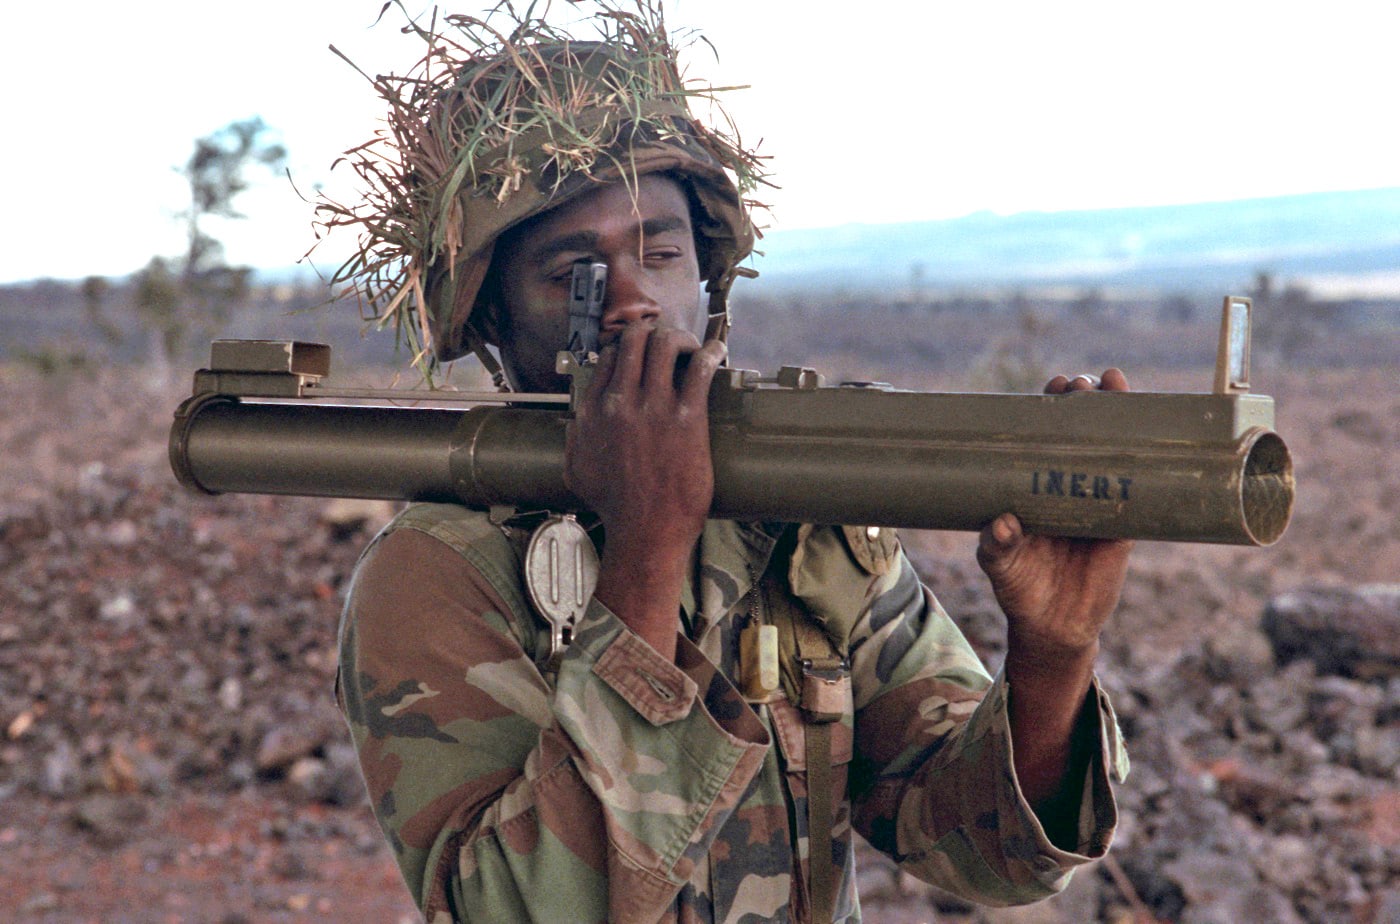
{"type": "Point", "coordinates": [632, 789]}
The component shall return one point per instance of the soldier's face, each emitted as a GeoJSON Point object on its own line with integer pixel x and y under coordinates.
{"type": "Point", "coordinates": [653, 275]}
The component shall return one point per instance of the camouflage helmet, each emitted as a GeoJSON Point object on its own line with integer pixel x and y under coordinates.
{"type": "Point", "coordinates": [494, 127]}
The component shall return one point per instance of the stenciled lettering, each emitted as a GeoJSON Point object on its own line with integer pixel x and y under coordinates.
{"type": "Point", "coordinates": [1051, 482]}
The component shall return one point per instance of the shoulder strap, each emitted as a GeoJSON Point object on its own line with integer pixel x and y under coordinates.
{"type": "Point", "coordinates": [826, 684]}
{"type": "Point", "coordinates": [816, 676]}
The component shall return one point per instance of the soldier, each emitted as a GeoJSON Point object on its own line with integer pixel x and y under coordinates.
{"type": "Point", "coordinates": [734, 699]}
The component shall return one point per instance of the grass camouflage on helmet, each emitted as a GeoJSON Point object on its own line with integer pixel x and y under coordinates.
{"type": "Point", "coordinates": [506, 116]}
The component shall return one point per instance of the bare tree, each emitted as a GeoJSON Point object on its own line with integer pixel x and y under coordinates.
{"type": "Point", "coordinates": [216, 173]}
{"type": "Point", "coordinates": [202, 288]}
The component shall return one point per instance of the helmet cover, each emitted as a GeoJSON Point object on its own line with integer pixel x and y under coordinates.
{"type": "Point", "coordinates": [494, 126]}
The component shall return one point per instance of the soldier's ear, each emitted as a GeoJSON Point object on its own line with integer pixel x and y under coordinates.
{"type": "Point", "coordinates": [488, 314]}
{"type": "Point", "coordinates": [487, 323]}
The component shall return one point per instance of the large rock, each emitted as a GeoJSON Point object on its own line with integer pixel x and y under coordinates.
{"type": "Point", "coordinates": [1351, 631]}
{"type": "Point", "coordinates": [1244, 656]}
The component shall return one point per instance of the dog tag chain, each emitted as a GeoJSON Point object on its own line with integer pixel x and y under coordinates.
{"type": "Point", "coordinates": [561, 570]}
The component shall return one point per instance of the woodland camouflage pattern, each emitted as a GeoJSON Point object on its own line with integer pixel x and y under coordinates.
{"type": "Point", "coordinates": [636, 790]}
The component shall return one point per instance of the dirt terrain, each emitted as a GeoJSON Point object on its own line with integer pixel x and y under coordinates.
{"type": "Point", "coordinates": [170, 751]}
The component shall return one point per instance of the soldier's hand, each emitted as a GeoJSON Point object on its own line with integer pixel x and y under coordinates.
{"type": "Point", "coordinates": [1056, 593]}
{"type": "Point", "coordinates": [637, 453]}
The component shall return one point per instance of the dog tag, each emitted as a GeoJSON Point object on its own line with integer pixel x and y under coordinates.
{"type": "Point", "coordinates": [758, 661]}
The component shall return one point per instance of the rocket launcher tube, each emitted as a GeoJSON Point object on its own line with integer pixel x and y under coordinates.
{"type": "Point", "coordinates": [1175, 467]}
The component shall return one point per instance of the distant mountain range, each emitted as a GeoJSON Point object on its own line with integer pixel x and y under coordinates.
{"type": "Point", "coordinates": [1210, 246]}
{"type": "Point", "coordinates": [1163, 247]}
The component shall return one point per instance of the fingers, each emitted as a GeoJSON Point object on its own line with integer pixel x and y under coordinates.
{"type": "Point", "coordinates": [704, 362]}
{"type": "Point", "coordinates": [640, 363]}
{"type": "Point", "coordinates": [644, 357]}
{"type": "Point", "coordinates": [998, 538]}
{"type": "Point", "coordinates": [1112, 380]}
{"type": "Point", "coordinates": [603, 370]}
{"type": "Point", "coordinates": [632, 348]}
{"type": "Point", "coordinates": [1115, 380]}
{"type": "Point", "coordinates": [1061, 384]}
{"type": "Point", "coordinates": [663, 350]}
{"type": "Point", "coordinates": [1083, 382]}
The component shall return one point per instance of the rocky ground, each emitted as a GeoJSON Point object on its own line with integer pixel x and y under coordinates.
{"type": "Point", "coordinates": [170, 751]}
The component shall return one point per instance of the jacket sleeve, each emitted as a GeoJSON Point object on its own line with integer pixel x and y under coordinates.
{"type": "Point", "coordinates": [504, 802]}
{"type": "Point", "coordinates": [933, 782]}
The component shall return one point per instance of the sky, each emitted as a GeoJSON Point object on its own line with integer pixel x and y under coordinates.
{"type": "Point", "coordinates": [872, 112]}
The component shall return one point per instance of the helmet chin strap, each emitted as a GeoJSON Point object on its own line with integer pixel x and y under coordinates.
{"type": "Point", "coordinates": [486, 358]}
{"type": "Point", "coordinates": [718, 326]}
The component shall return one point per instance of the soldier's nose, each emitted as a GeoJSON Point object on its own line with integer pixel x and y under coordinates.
{"type": "Point", "coordinates": [627, 301]}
